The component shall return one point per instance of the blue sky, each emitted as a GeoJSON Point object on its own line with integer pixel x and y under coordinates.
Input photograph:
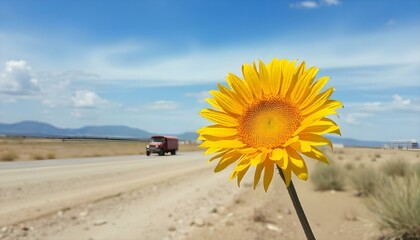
{"type": "Point", "coordinates": [150, 64]}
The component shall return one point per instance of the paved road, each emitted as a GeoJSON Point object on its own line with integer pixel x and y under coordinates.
{"type": "Point", "coordinates": [30, 189]}
{"type": "Point", "coordinates": [71, 161]}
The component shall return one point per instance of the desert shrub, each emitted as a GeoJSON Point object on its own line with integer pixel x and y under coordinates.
{"type": "Point", "coordinates": [51, 155]}
{"type": "Point", "coordinates": [349, 166]}
{"type": "Point", "coordinates": [396, 207]}
{"type": "Point", "coordinates": [37, 156]}
{"type": "Point", "coordinates": [365, 180]}
{"type": "Point", "coordinates": [341, 151]}
{"type": "Point", "coordinates": [394, 168]}
{"type": "Point", "coordinates": [377, 155]}
{"type": "Point", "coordinates": [416, 169]}
{"type": "Point", "coordinates": [8, 156]}
{"type": "Point", "coordinates": [328, 177]}
{"type": "Point", "coordinates": [357, 158]}
{"type": "Point", "coordinates": [259, 216]}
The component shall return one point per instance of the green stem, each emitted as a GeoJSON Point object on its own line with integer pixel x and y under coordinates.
{"type": "Point", "coordinates": [298, 207]}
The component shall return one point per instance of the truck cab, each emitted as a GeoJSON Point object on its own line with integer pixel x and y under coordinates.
{"type": "Point", "coordinates": [162, 145]}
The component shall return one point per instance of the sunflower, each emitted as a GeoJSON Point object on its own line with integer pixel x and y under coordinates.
{"type": "Point", "coordinates": [275, 115]}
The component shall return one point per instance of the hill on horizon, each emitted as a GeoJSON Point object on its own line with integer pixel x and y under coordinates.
{"type": "Point", "coordinates": [42, 129]}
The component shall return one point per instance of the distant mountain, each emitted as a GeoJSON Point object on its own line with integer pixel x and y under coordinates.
{"type": "Point", "coordinates": [349, 142]}
{"type": "Point", "coordinates": [40, 129]}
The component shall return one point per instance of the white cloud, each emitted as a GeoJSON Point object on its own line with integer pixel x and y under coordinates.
{"type": "Point", "coordinates": [395, 52]}
{"type": "Point", "coordinates": [399, 101]}
{"type": "Point", "coordinates": [17, 78]}
{"type": "Point", "coordinates": [314, 4]}
{"type": "Point", "coordinates": [200, 96]}
{"type": "Point", "coordinates": [304, 4]}
{"type": "Point", "coordinates": [390, 56]}
{"type": "Point", "coordinates": [87, 99]}
{"type": "Point", "coordinates": [331, 2]}
{"type": "Point", "coordinates": [397, 104]}
{"type": "Point", "coordinates": [356, 117]}
{"type": "Point", "coordinates": [163, 105]}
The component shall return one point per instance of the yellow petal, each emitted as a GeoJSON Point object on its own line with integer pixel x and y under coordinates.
{"type": "Point", "coordinates": [247, 150]}
{"type": "Point", "coordinates": [321, 122]}
{"type": "Point", "coordinates": [315, 153]}
{"type": "Point", "coordinates": [257, 175]}
{"type": "Point", "coordinates": [241, 175]}
{"type": "Point", "coordinates": [287, 176]}
{"type": "Point", "coordinates": [219, 117]}
{"type": "Point", "coordinates": [227, 103]}
{"type": "Point", "coordinates": [259, 158]}
{"type": "Point", "coordinates": [316, 103]}
{"type": "Point", "coordinates": [252, 80]}
{"type": "Point", "coordinates": [322, 129]}
{"type": "Point", "coordinates": [295, 158]}
{"type": "Point", "coordinates": [309, 120]}
{"type": "Point", "coordinates": [226, 160]}
{"type": "Point", "coordinates": [268, 174]}
{"type": "Point", "coordinates": [297, 164]}
{"type": "Point", "coordinates": [277, 154]}
{"type": "Point", "coordinates": [265, 79]}
{"type": "Point", "coordinates": [223, 144]}
{"type": "Point", "coordinates": [314, 90]}
{"type": "Point", "coordinates": [301, 91]}
{"type": "Point", "coordinates": [240, 87]}
{"type": "Point", "coordinates": [295, 81]}
{"type": "Point", "coordinates": [232, 94]}
{"type": "Point", "coordinates": [218, 130]}
{"type": "Point", "coordinates": [274, 71]}
{"type": "Point", "coordinates": [243, 163]}
{"type": "Point", "coordinates": [314, 139]}
{"type": "Point", "coordinates": [218, 155]}
{"type": "Point", "coordinates": [212, 150]}
{"type": "Point", "coordinates": [291, 140]}
{"type": "Point", "coordinates": [214, 103]}
{"type": "Point", "coordinates": [301, 173]}
{"type": "Point", "coordinates": [286, 76]}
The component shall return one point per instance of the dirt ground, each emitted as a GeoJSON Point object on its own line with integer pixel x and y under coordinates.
{"type": "Point", "coordinates": [178, 197]}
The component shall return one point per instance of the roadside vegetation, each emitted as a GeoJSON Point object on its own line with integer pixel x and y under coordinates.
{"type": "Point", "coordinates": [8, 155]}
{"type": "Point", "coordinates": [38, 149]}
{"type": "Point", "coordinates": [390, 190]}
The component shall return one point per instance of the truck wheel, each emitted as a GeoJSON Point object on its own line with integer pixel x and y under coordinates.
{"type": "Point", "coordinates": [173, 152]}
{"type": "Point", "coordinates": [161, 152]}
{"type": "Point", "coordinates": [148, 153]}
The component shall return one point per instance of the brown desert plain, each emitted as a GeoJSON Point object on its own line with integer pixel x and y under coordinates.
{"type": "Point", "coordinates": [119, 193]}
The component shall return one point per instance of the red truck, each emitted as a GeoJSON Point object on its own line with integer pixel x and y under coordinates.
{"type": "Point", "coordinates": [162, 145]}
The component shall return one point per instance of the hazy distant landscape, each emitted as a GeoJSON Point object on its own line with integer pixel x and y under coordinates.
{"type": "Point", "coordinates": [40, 129]}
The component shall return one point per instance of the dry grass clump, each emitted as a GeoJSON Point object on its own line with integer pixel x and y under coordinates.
{"type": "Point", "coordinates": [259, 215]}
{"type": "Point", "coordinates": [416, 169]}
{"type": "Point", "coordinates": [50, 155]}
{"type": "Point", "coordinates": [328, 177]}
{"type": "Point", "coordinates": [8, 156]}
{"type": "Point", "coordinates": [37, 156]}
{"type": "Point", "coordinates": [395, 168]}
{"type": "Point", "coordinates": [395, 205]}
{"type": "Point", "coordinates": [349, 166]}
{"type": "Point", "coordinates": [364, 180]}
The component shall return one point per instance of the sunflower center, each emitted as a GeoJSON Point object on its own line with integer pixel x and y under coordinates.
{"type": "Point", "coordinates": [268, 122]}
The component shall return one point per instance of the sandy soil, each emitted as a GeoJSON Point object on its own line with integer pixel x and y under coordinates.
{"type": "Point", "coordinates": [175, 197]}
